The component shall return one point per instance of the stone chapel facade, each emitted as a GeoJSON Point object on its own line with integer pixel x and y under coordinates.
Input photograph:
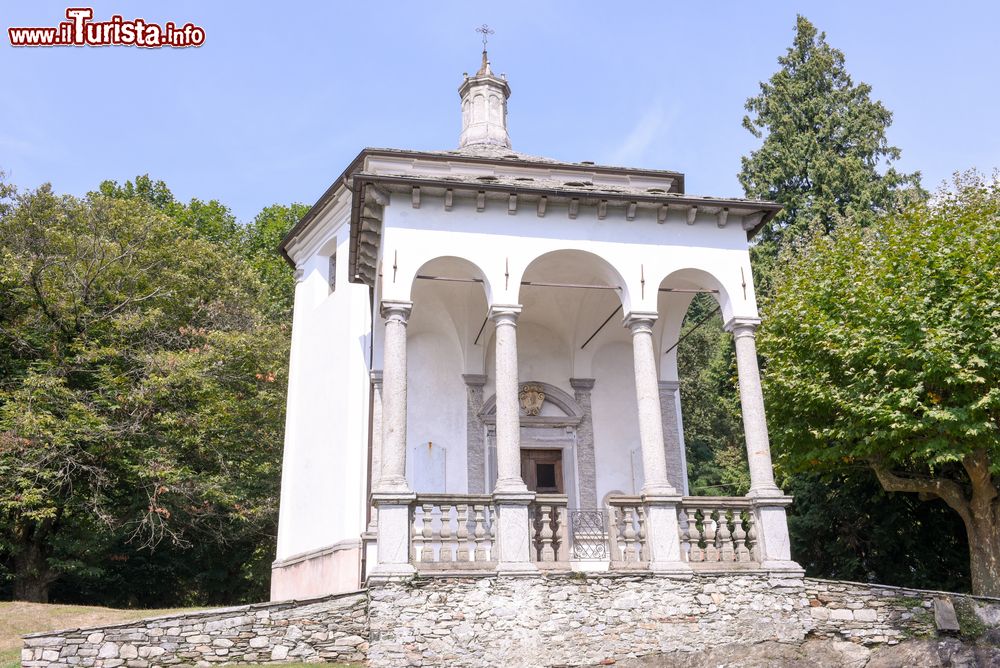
{"type": "Point", "coordinates": [483, 375]}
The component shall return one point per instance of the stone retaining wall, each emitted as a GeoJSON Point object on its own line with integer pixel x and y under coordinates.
{"type": "Point", "coordinates": [565, 620]}
{"type": "Point", "coordinates": [529, 621]}
{"type": "Point", "coordinates": [873, 614]}
{"type": "Point", "coordinates": [329, 629]}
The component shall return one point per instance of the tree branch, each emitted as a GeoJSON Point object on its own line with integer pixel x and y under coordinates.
{"type": "Point", "coordinates": [948, 491]}
{"type": "Point", "coordinates": [984, 491]}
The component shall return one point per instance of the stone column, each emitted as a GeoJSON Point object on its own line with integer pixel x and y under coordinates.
{"type": "Point", "coordinates": [586, 462]}
{"type": "Point", "coordinates": [673, 448]}
{"type": "Point", "coordinates": [654, 465]}
{"type": "Point", "coordinates": [752, 407]}
{"type": "Point", "coordinates": [660, 499]}
{"type": "Point", "coordinates": [511, 495]}
{"type": "Point", "coordinates": [392, 495]}
{"type": "Point", "coordinates": [376, 455]}
{"type": "Point", "coordinates": [769, 502]}
{"type": "Point", "coordinates": [475, 447]}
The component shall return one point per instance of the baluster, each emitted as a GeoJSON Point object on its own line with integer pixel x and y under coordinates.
{"type": "Point", "coordinates": [426, 531]}
{"type": "Point", "coordinates": [643, 552]}
{"type": "Point", "coordinates": [479, 532]}
{"type": "Point", "coordinates": [462, 511]}
{"type": "Point", "coordinates": [684, 533]}
{"type": "Point", "coordinates": [740, 537]}
{"type": "Point", "coordinates": [546, 554]}
{"type": "Point", "coordinates": [445, 553]}
{"type": "Point", "coordinates": [711, 549]}
{"type": "Point", "coordinates": [613, 534]}
{"type": "Point", "coordinates": [491, 510]}
{"type": "Point", "coordinates": [562, 537]}
{"type": "Point", "coordinates": [629, 516]}
{"type": "Point", "coordinates": [695, 553]}
{"type": "Point", "coordinates": [726, 537]}
{"type": "Point", "coordinates": [416, 540]}
{"type": "Point", "coordinates": [752, 537]}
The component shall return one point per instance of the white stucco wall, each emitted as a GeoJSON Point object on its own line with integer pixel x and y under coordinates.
{"type": "Point", "coordinates": [326, 430]}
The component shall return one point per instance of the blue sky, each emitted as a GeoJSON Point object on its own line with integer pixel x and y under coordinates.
{"type": "Point", "coordinates": [283, 95]}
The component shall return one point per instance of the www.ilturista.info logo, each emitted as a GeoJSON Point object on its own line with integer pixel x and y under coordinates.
{"type": "Point", "coordinates": [79, 30]}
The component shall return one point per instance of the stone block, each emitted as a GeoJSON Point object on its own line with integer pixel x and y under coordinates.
{"type": "Point", "coordinates": [109, 650]}
{"type": "Point", "coordinates": [128, 651]}
{"type": "Point", "coordinates": [260, 641]}
{"type": "Point", "coordinates": [944, 615]}
{"type": "Point", "coordinates": [842, 615]}
{"type": "Point", "coordinates": [866, 615]}
{"type": "Point", "coordinates": [279, 653]}
{"type": "Point", "coordinates": [95, 638]}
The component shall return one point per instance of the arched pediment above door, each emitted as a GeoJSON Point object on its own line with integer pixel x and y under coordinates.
{"type": "Point", "coordinates": [542, 405]}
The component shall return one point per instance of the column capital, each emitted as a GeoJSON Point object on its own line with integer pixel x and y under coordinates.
{"type": "Point", "coordinates": [582, 384]}
{"type": "Point", "coordinates": [376, 376]}
{"type": "Point", "coordinates": [640, 321]}
{"type": "Point", "coordinates": [742, 325]}
{"type": "Point", "coordinates": [474, 379]}
{"type": "Point", "coordinates": [391, 309]}
{"type": "Point", "coordinates": [670, 385]}
{"type": "Point", "coordinates": [505, 313]}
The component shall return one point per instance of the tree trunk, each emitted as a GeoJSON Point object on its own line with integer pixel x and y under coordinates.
{"type": "Point", "coordinates": [32, 575]}
{"type": "Point", "coordinates": [980, 512]}
{"type": "Point", "coordinates": [984, 555]}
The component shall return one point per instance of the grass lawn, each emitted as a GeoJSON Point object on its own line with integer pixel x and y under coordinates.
{"type": "Point", "coordinates": [18, 618]}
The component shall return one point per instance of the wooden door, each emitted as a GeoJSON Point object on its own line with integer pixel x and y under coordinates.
{"type": "Point", "coordinates": [542, 471]}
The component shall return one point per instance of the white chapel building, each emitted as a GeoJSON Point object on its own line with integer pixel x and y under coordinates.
{"type": "Point", "coordinates": [483, 373]}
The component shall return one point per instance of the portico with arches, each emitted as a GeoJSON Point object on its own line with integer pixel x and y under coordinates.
{"type": "Point", "coordinates": [484, 369]}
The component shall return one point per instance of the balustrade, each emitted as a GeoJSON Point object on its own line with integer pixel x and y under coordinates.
{"type": "Point", "coordinates": [452, 531]}
{"type": "Point", "coordinates": [549, 530]}
{"type": "Point", "coordinates": [627, 534]}
{"type": "Point", "coordinates": [718, 532]}
{"type": "Point", "coordinates": [458, 532]}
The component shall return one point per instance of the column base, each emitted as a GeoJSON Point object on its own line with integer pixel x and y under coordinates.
{"type": "Point", "coordinates": [784, 568]}
{"type": "Point", "coordinates": [663, 535]}
{"type": "Point", "coordinates": [772, 533]}
{"type": "Point", "coordinates": [513, 534]}
{"type": "Point", "coordinates": [516, 569]}
{"type": "Point", "coordinates": [393, 541]}
{"type": "Point", "coordinates": [768, 493]}
{"type": "Point", "coordinates": [677, 570]}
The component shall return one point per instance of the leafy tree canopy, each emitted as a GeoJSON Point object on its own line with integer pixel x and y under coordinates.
{"type": "Point", "coordinates": [141, 389]}
{"type": "Point", "coordinates": [825, 154]}
{"type": "Point", "coordinates": [882, 347]}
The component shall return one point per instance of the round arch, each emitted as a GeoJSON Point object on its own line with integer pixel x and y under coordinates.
{"type": "Point", "coordinates": [452, 267]}
{"type": "Point", "coordinates": [568, 265]}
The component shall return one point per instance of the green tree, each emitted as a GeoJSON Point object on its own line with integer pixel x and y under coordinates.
{"type": "Point", "coordinates": [825, 155]}
{"type": "Point", "coordinates": [260, 246]}
{"type": "Point", "coordinates": [713, 431]}
{"type": "Point", "coordinates": [142, 393]}
{"type": "Point", "coordinates": [882, 347]}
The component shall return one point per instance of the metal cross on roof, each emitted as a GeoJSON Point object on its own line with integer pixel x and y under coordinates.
{"type": "Point", "coordinates": [486, 31]}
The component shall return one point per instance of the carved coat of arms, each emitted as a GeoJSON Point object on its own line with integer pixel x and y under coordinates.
{"type": "Point", "coordinates": [532, 397]}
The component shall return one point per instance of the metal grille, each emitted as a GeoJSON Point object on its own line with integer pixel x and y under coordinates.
{"type": "Point", "coordinates": [588, 534]}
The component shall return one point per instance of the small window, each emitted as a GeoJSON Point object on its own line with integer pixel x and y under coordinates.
{"type": "Point", "coordinates": [546, 476]}
{"type": "Point", "coordinates": [333, 271]}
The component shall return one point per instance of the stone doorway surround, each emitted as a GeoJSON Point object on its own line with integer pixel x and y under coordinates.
{"type": "Point", "coordinates": [572, 432]}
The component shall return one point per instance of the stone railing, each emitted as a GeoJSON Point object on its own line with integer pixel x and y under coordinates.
{"type": "Point", "coordinates": [718, 532]}
{"type": "Point", "coordinates": [549, 531]}
{"type": "Point", "coordinates": [627, 532]}
{"type": "Point", "coordinates": [453, 531]}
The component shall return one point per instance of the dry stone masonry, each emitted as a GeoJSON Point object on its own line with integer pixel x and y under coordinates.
{"type": "Point", "coordinates": [331, 629]}
{"type": "Point", "coordinates": [565, 620]}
